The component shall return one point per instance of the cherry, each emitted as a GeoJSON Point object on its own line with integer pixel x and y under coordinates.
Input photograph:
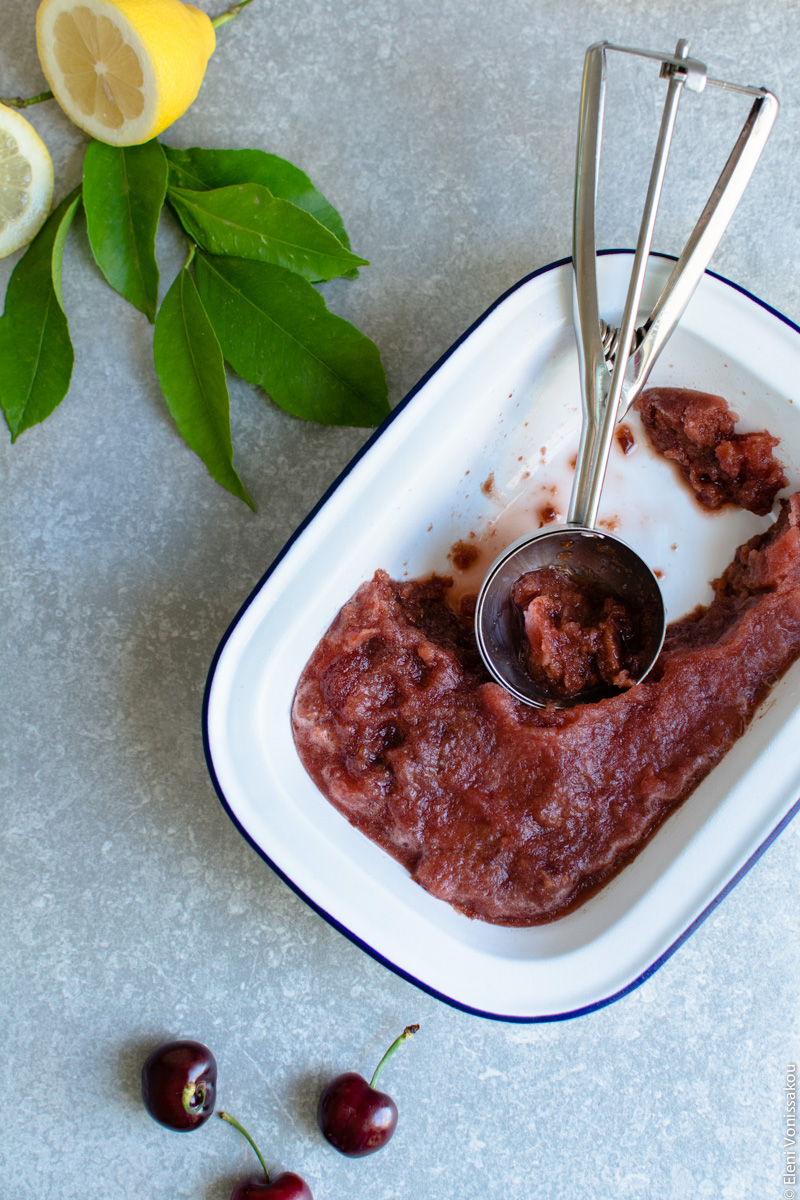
{"type": "Point", "coordinates": [179, 1085]}
{"type": "Point", "coordinates": [286, 1186]}
{"type": "Point", "coordinates": [352, 1115]}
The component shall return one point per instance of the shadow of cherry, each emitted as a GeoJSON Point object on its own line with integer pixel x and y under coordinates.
{"type": "Point", "coordinates": [131, 1059]}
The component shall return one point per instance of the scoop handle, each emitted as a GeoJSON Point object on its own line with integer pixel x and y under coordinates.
{"type": "Point", "coordinates": [607, 396]}
{"type": "Point", "coordinates": [602, 400]}
{"type": "Point", "coordinates": [706, 235]}
{"type": "Point", "coordinates": [595, 378]}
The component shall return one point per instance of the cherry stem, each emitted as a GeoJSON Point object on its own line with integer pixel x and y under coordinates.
{"type": "Point", "coordinates": [408, 1032]}
{"type": "Point", "coordinates": [230, 14]}
{"type": "Point", "coordinates": [232, 1121]}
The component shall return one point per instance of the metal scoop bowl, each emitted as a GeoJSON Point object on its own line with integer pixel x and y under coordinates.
{"type": "Point", "coordinates": [614, 365]}
{"type": "Point", "coordinates": [586, 554]}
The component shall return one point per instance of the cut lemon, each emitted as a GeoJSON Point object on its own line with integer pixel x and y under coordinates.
{"type": "Point", "coordinates": [26, 181]}
{"type": "Point", "coordinates": [123, 70]}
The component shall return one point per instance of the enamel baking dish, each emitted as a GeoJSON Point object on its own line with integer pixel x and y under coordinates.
{"type": "Point", "coordinates": [481, 451]}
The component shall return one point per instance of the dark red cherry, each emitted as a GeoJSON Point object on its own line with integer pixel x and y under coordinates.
{"type": "Point", "coordinates": [286, 1186]}
{"type": "Point", "coordinates": [353, 1115]}
{"type": "Point", "coordinates": [179, 1085]}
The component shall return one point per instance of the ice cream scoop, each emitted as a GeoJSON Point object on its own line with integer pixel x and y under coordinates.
{"type": "Point", "coordinates": [615, 363]}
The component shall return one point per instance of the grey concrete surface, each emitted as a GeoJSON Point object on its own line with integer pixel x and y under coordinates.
{"type": "Point", "coordinates": [132, 910]}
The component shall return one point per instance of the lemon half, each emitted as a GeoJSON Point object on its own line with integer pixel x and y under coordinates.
{"type": "Point", "coordinates": [26, 181]}
{"type": "Point", "coordinates": [123, 70]}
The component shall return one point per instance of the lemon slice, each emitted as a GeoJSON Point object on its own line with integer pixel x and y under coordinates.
{"type": "Point", "coordinates": [123, 70]}
{"type": "Point", "coordinates": [26, 181]}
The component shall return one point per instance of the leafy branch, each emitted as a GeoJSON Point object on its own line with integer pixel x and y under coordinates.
{"type": "Point", "coordinates": [260, 236]}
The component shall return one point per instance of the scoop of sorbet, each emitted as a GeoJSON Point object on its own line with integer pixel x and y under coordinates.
{"type": "Point", "coordinates": [575, 634]}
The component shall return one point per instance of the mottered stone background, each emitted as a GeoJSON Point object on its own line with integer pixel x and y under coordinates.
{"type": "Point", "coordinates": [132, 910]}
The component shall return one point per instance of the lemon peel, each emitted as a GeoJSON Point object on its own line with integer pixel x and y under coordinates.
{"type": "Point", "coordinates": [123, 70]}
{"type": "Point", "coordinates": [26, 181]}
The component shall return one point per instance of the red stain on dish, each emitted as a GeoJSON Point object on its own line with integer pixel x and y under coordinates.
{"type": "Point", "coordinates": [488, 486]}
{"type": "Point", "coordinates": [625, 439]}
{"type": "Point", "coordinates": [464, 555]}
{"type": "Point", "coordinates": [546, 514]}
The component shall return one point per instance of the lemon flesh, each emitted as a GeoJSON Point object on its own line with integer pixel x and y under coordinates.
{"type": "Point", "coordinates": [123, 70]}
{"type": "Point", "coordinates": [26, 181]}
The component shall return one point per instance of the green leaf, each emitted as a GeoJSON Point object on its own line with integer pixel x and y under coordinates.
{"type": "Point", "coordinates": [123, 192]}
{"type": "Point", "coordinates": [199, 169]}
{"type": "Point", "coordinates": [275, 330]}
{"type": "Point", "coordinates": [36, 353]}
{"type": "Point", "coordinates": [191, 372]}
{"type": "Point", "coordinates": [70, 206]}
{"type": "Point", "coordinates": [247, 221]}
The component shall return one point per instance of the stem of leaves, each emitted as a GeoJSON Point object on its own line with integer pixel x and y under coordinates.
{"type": "Point", "coordinates": [230, 14]}
{"type": "Point", "coordinates": [20, 102]}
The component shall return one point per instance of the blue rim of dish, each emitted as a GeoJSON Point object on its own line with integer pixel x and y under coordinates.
{"type": "Point", "coordinates": [431, 991]}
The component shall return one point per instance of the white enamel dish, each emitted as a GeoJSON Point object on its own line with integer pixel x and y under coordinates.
{"type": "Point", "coordinates": [481, 447]}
